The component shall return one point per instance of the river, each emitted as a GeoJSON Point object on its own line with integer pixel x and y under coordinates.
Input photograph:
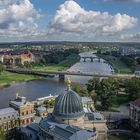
{"type": "Point", "coordinates": [40, 88]}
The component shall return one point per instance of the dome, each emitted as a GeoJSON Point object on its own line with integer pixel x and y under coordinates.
{"type": "Point", "coordinates": [68, 105]}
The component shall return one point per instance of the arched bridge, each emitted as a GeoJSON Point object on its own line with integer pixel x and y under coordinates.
{"type": "Point", "coordinates": [43, 72]}
{"type": "Point", "coordinates": [90, 57]}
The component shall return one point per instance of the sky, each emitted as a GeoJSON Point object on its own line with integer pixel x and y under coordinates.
{"type": "Point", "coordinates": [70, 20]}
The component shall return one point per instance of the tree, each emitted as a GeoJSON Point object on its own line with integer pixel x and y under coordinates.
{"type": "Point", "coordinates": [27, 64]}
{"type": "Point", "coordinates": [49, 103]}
{"type": "Point", "coordinates": [132, 88]}
{"type": "Point", "coordinates": [77, 88]}
{"type": "Point", "coordinates": [1, 68]}
{"type": "Point", "coordinates": [106, 92]}
{"type": "Point", "coordinates": [2, 133]}
{"type": "Point", "coordinates": [92, 87]}
{"type": "Point", "coordinates": [92, 84]}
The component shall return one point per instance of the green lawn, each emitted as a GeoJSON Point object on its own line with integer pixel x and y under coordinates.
{"type": "Point", "coordinates": [120, 99]}
{"type": "Point", "coordinates": [117, 64]}
{"type": "Point", "coordinates": [7, 78]}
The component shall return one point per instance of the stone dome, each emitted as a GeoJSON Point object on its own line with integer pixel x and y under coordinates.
{"type": "Point", "coordinates": [68, 105]}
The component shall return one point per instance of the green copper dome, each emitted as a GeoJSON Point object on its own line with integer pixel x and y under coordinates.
{"type": "Point", "coordinates": [68, 105]}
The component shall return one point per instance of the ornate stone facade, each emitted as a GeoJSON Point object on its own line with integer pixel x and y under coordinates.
{"type": "Point", "coordinates": [25, 110]}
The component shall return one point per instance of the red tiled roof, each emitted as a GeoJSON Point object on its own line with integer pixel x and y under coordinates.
{"type": "Point", "coordinates": [137, 101]}
{"type": "Point", "coordinates": [25, 56]}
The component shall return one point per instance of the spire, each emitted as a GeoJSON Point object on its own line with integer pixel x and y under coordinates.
{"type": "Point", "coordinates": [69, 83]}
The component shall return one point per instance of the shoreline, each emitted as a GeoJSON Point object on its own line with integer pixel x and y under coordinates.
{"type": "Point", "coordinates": [17, 83]}
{"type": "Point", "coordinates": [8, 79]}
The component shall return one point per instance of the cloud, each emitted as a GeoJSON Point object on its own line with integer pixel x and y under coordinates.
{"type": "Point", "coordinates": [17, 18]}
{"type": "Point", "coordinates": [131, 36]}
{"type": "Point", "coordinates": [18, 21]}
{"type": "Point", "coordinates": [72, 22]}
{"type": "Point", "coordinates": [122, 0]}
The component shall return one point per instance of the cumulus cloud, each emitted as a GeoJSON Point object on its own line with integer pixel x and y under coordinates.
{"type": "Point", "coordinates": [71, 22]}
{"type": "Point", "coordinates": [74, 22]}
{"type": "Point", "coordinates": [17, 17]}
{"type": "Point", "coordinates": [131, 36]}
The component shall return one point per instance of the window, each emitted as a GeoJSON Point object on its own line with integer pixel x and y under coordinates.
{"type": "Point", "coordinates": [4, 117]}
{"type": "Point", "coordinates": [31, 119]}
{"type": "Point", "coordinates": [75, 120]}
{"type": "Point", "coordinates": [9, 117]}
{"type": "Point", "coordinates": [26, 112]}
{"type": "Point", "coordinates": [22, 113]}
{"type": "Point", "coordinates": [22, 121]}
{"type": "Point", "coordinates": [27, 121]}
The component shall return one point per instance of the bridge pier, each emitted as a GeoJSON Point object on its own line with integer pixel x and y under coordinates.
{"type": "Point", "coordinates": [61, 77]}
{"type": "Point", "coordinates": [91, 59]}
{"type": "Point", "coordinates": [84, 59]}
{"type": "Point", "coordinates": [99, 59]}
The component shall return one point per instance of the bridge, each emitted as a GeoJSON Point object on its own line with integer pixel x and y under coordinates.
{"type": "Point", "coordinates": [90, 57]}
{"type": "Point", "coordinates": [44, 72]}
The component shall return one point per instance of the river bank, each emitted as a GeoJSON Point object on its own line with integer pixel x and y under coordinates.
{"type": "Point", "coordinates": [8, 78]}
{"type": "Point", "coordinates": [117, 64]}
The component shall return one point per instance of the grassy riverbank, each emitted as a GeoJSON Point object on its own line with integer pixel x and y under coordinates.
{"type": "Point", "coordinates": [8, 78]}
{"type": "Point", "coordinates": [117, 64]}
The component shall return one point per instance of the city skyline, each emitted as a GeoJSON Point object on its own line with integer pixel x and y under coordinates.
{"type": "Point", "coordinates": [91, 20]}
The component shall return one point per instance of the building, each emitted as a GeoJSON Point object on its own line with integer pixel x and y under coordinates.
{"type": "Point", "coordinates": [135, 114]}
{"type": "Point", "coordinates": [96, 120]}
{"type": "Point", "coordinates": [68, 121]}
{"type": "Point", "coordinates": [51, 130]}
{"type": "Point", "coordinates": [41, 111]}
{"type": "Point", "coordinates": [137, 71]}
{"type": "Point", "coordinates": [88, 104]}
{"type": "Point", "coordinates": [126, 51]}
{"type": "Point", "coordinates": [8, 118]}
{"type": "Point", "coordinates": [25, 110]}
{"type": "Point", "coordinates": [18, 59]}
{"type": "Point", "coordinates": [26, 57]}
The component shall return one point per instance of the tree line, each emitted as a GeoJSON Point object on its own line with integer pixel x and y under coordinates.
{"type": "Point", "coordinates": [106, 91]}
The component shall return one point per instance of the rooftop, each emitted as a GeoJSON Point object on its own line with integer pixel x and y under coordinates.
{"type": "Point", "coordinates": [66, 132]}
{"type": "Point", "coordinates": [86, 100]}
{"type": "Point", "coordinates": [19, 101]}
{"type": "Point", "coordinates": [7, 111]}
{"type": "Point", "coordinates": [137, 102]}
{"type": "Point", "coordinates": [94, 116]}
{"type": "Point", "coordinates": [41, 109]}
